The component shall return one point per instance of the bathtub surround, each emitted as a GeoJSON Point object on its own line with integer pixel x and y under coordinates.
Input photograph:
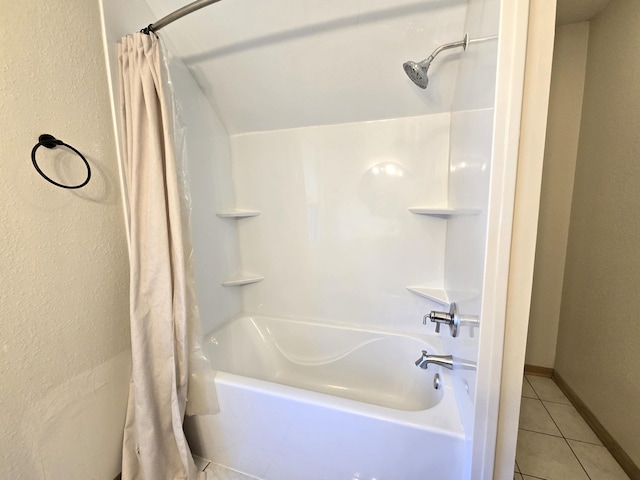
{"type": "Point", "coordinates": [334, 202]}
{"type": "Point", "coordinates": [64, 340]}
{"type": "Point", "coordinates": [354, 197]}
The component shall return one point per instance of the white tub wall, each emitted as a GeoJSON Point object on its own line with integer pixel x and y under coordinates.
{"type": "Point", "coordinates": [476, 80]}
{"type": "Point", "coordinates": [64, 360]}
{"type": "Point", "coordinates": [469, 175]}
{"type": "Point", "coordinates": [209, 163]}
{"type": "Point", "coordinates": [335, 241]}
{"type": "Point", "coordinates": [215, 240]}
{"type": "Point", "coordinates": [471, 148]}
{"type": "Point", "coordinates": [281, 64]}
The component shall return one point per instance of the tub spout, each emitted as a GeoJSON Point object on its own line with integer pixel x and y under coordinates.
{"type": "Point", "coordinates": [445, 361]}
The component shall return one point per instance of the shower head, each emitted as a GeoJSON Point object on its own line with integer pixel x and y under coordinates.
{"type": "Point", "coordinates": [417, 71]}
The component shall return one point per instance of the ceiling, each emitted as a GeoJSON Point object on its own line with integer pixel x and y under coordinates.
{"type": "Point", "coordinates": [573, 11]}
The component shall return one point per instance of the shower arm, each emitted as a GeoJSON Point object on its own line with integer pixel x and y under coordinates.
{"type": "Point", "coordinates": [462, 43]}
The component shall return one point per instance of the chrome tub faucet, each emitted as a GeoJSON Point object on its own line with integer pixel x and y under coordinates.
{"type": "Point", "coordinates": [445, 361]}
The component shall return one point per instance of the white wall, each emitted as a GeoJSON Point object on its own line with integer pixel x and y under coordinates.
{"type": "Point", "coordinates": [335, 240]}
{"type": "Point", "coordinates": [64, 332]}
{"type": "Point", "coordinates": [561, 150]}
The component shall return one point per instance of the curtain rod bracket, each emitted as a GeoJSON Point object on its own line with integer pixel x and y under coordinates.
{"type": "Point", "coordinates": [148, 29]}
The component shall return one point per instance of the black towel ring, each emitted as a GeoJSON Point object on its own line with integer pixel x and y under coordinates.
{"type": "Point", "coordinates": [49, 141]}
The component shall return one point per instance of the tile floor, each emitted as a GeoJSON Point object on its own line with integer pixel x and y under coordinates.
{"type": "Point", "coordinates": [554, 442]}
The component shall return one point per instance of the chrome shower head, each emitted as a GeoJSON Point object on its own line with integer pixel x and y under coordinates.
{"type": "Point", "coordinates": [417, 71]}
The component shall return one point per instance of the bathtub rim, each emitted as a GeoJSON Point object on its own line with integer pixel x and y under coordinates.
{"type": "Point", "coordinates": [442, 418]}
{"type": "Point", "coordinates": [430, 338]}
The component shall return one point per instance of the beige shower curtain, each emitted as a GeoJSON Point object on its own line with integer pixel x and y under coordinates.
{"type": "Point", "coordinates": [154, 446]}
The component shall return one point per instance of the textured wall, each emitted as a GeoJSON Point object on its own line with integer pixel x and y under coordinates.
{"type": "Point", "coordinates": [598, 352]}
{"type": "Point", "coordinates": [561, 150]}
{"type": "Point", "coordinates": [63, 271]}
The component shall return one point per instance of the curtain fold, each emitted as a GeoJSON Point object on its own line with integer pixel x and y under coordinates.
{"type": "Point", "coordinates": [154, 447]}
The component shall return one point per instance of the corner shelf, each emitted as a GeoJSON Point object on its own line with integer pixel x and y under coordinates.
{"type": "Point", "coordinates": [238, 213]}
{"type": "Point", "coordinates": [445, 212]}
{"type": "Point", "coordinates": [242, 280]}
{"type": "Point", "coordinates": [438, 295]}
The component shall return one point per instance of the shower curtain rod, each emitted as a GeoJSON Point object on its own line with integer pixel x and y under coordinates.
{"type": "Point", "coordinates": [173, 16]}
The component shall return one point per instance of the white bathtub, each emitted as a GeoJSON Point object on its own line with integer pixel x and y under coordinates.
{"type": "Point", "coordinates": [304, 401]}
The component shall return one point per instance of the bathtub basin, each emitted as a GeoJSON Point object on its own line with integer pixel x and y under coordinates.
{"type": "Point", "coordinates": [304, 401]}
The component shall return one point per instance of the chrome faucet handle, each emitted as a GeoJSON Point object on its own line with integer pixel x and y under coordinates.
{"type": "Point", "coordinates": [440, 317]}
{"type": "Point", "coordinates": [450, 318]}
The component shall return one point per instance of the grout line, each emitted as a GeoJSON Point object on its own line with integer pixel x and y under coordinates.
{"type": "Point", "coordinates": [541, 433]}
{"type": "Point", "coordinates": [565, 438]}
{"type": "Point", "coordinates": [552, 419]}
{"type": "Point", "coordinates": [586, 443]}
{"type": "Point", "coordinates": [574, 454]}
{"type": "Point", "coordinates": [615, 449]}
{"type": "Point", "coordinates": [562, 433]}
{"type": "Point", "coordinates": [531, 387]}
{"type": "Point", "coordinates": [550, 401]}
{"type": "Point", "coordinates": [559, 403]}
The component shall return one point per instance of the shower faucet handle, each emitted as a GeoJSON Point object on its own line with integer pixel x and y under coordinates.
{"type": "Point", "coordinates": [451, 318]}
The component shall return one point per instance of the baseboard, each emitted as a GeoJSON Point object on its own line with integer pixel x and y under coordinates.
{"type": "Point", "coordinates": [601, 432]}
{"type": "Point", "coordinates": [538, 371]}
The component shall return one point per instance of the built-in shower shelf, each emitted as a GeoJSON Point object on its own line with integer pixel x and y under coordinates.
{"type": "Point", "coordinates": [444, 211]}
{"type": "Point", "coordinates": [242, 280]}
{"type": "Point", "coordinates": [438, 295]}
{"type": "Point", "coordinates": [238, 213]}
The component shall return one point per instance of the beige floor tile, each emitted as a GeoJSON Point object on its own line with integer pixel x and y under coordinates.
{"type": "Point", "coordinates": [517, 476]}
{"type": "Point", "coordinates": [534, 417]}
{"type": "Point", "coordinates": [527, 391]}
{"type": "Point", "coordinates": [597, 461]}
{"type": "Point", "coordinates": [546, 389]}
{"type": "Point", "coordinates": [571, 423]}
{"type": "Point", "coordinates": [547, 457]}
{"type": "Point", "coordinates": [516, 468]}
